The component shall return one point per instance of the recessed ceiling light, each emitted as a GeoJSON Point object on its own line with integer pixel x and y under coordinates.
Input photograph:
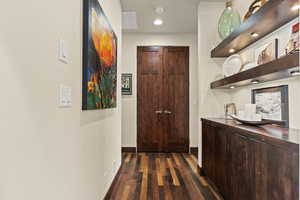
{"type": "Point", "coordinates": [232, 87]}
{"type": "Point", "coordinates": [231, 50]}
{"type": "Point", "coordinates": [254, 34]}
{"type": "Point", "coordinates": [296, 7]}
{"type": "Point", "coordinates": [295, 73]}
{"type": "Point", "coordinates": [255, 81]}
{"type": "Point", "coordinates": [158, 22]}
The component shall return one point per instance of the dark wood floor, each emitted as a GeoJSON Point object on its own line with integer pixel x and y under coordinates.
{"type": "Point", "coordinates": [160, 176]}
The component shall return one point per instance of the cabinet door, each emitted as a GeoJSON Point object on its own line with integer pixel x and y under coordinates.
{"type": "Point", "coordinates": [276, 172]}
{"type": "Point", "coordinates": [221, 157]}
{"type": "Point", "coordinates": [282, 174]}
{"type": "Point", "coordinates": [208, 157]}
{"type": "Point", "coordinates": [260, 166]}
{"type": "Point", "coordinates": [241, 168]}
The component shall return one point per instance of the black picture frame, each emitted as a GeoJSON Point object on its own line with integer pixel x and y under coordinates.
{"type": "Point", "coordinates": [126, 88]}
{"type": "Point", "coordinates": [284, 90]}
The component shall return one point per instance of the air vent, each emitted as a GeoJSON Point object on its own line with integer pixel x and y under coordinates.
{"type": "Point", "coordinates": [129, 21]}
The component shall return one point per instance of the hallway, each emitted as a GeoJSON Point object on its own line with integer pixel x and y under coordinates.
{"type": "Point", "coordinates": [160, 176]}
{"type": "Point", "coordinates": [86, 84]}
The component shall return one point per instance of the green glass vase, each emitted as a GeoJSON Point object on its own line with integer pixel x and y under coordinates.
{"type": "Point", "coordinates": [229, 21]}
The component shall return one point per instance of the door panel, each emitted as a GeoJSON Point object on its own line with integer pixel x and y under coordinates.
{"type": "Point", "coordinates": [163, 76]}
{"type": "Point", "coordinates": [208, 150]}
{"type": "Point", "coordinates": [220, 146]}
{"type": "Point", "coordinates": [176, 98]}
{"type": "Point", "coordinates": [150, 123]}
{"type": "Point", "coordinates": [285, 164]}
{"type": "Point", "coordinates": [241, 168]}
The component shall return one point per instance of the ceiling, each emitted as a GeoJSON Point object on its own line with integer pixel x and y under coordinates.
{"type": "Point", "coordinates": [180, 16]}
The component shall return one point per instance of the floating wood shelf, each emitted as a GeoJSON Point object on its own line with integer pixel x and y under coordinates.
{"type": "Point", "coordinates": [274, 14]}
{"type": "Point", "coordinates": [275, 70]}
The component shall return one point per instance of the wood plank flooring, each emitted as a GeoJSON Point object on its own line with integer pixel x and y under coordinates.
{"type": "Point", "coordinates": [146, 176]}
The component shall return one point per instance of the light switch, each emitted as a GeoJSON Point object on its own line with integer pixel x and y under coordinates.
{"type": "Point", "coordinates": [65, 96]}
{"type": "Point", "coordinates": [62, 51]}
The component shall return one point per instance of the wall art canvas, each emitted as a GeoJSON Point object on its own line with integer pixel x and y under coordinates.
{"type": "Point", "coordinates": [272, 103]}
{"type": "Point", "coordinates": [267, 52]}
{"type": "Point", "coordinates": [126, 84]}
{"type": "Point", "coordinates": [99, 89]}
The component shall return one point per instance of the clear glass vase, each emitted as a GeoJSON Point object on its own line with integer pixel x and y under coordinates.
{"type": "Point", "coordinates": [229, 20]}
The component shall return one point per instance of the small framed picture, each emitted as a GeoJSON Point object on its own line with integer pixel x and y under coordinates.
{"type": "Point", "coordinates": [126, 84]}
{"type": "Point", "coordinates": [293, 44]}
{"type": "Point", "coordinates": [272, 103]}
{"type": "Point", "coordinates": [267, 53]}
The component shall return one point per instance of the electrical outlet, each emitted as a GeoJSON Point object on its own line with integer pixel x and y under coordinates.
{"type": "Point", "coordinates": [65, 96]}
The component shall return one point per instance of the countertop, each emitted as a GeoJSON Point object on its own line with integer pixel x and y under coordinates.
{"type": "Point", "coordinates": [268, 133]}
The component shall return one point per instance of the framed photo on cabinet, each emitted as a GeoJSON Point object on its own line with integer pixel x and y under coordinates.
{"type": "Point", "coordinates": [272, 103]}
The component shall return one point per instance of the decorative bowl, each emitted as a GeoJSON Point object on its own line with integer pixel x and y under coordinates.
{"type": "Point", "coordinates": [258, 123]}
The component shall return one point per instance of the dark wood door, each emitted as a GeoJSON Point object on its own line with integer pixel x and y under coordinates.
{"type": "Point", "coordinates": [176, 98]}
{"type": "Point", "coordinates": [150, 99]}
{"type": "Point", "coordinates": [163, 99]}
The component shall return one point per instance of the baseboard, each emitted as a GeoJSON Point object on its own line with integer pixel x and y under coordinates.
{"type": "Point", "coordinates": [194, 151]}
{"type": "Point", "coordinates": [129, 149]}
{"type": "Point", "coordinates": [109, 193]}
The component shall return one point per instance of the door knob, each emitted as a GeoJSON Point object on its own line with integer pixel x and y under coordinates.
{"type": "Point", "coordinates": [167, 112]}
{"type": "Point", "coordinates": [159, 112]}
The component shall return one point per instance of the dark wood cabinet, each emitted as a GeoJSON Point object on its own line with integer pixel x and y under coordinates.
{"type": "Point", "coordinates": [281, 174]}
{"type": "Point", "coordinates": [208, 151]}
{"type": "Point", "coordinates": [240, 167]}
{"type": "Point", "coordinates": [245, 166]}
{"type": "Point", "coordinates": [220, 161]}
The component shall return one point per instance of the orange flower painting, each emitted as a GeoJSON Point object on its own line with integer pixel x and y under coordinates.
{"type": "Point", "coordinates": [99, 59]}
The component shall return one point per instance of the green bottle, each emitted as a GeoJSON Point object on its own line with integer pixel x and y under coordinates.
{"type": "Point", "coordinates": [229, 21]}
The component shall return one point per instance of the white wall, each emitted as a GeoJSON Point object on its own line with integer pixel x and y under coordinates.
{"type": "Point", "coordinates": [47, 152]}
{"type": "Point", "coordinates": [129, 114]}
{"type": "Point", "coordinates": [211, 101]}
{"type": "Point", "coordinates": [210, 69]}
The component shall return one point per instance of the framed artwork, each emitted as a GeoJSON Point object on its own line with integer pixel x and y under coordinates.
{"type": "Point", "coordinates": [293, 44]}
{"type": "Point", "coordinates": [272, 103]}
{"type": "Point", "coordinates": [267, 52]}
{"type": "Point", "coordinates": [126, 84]}
{"type": "Point", "coordinates": [99, 87]}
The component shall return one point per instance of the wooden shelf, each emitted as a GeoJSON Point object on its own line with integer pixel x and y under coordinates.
{"type": "Point", "coordinates": [274, 14]}
{"type": "Point", "coordinates": [275, 70]}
